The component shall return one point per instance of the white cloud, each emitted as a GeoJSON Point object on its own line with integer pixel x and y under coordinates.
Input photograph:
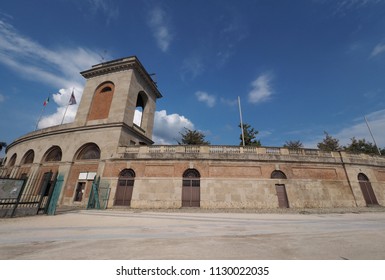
{"type": "Point", "coordinates": [192, 67]}
{"type": "Point", "coordinates": [160, 28]}
{"type": "Point", "coordinates": [359, 130]}
{"type": "Point", "coordinates": [206, 98]}
{"type": "Point", "coordinates": [167, 128]}
{"type": "Point", "coordinates": [261, 89]}
{"type": "Point", "coordinates": [378, 49]}
{"type": "Point", "coordinates": [376, 121]}
{"type": "Point", "coordinates": [64, 113]}
{"type": "Point", "coordinates": [54, 67]}
{"type": "Point", "coordinates": [104, 6]}
{"type": "Point", "coordinates": [138, 117]}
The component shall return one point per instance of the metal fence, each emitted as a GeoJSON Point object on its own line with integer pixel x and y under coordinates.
{"type": "Point", "coordinates": [33, 196]}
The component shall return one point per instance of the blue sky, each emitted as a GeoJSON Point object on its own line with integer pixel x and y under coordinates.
{"type": "Point", "coordinates": [300, 67]}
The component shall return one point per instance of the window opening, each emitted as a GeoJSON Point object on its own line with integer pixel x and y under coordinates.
{"type": "Point", "coordinates": [80, 191]}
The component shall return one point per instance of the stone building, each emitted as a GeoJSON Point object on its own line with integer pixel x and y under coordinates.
{"type": "Point", "coordinates": [103, 140]}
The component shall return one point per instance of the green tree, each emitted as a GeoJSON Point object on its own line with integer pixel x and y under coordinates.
{"type": "Point", "coordinates": [250, 134]}
{"type": "Point", "coordinates": [293, 144]}
{"type": "Point", "coordinates": [329, 144]}
{"type": "Point", "coordinates": [361, 146]}
{"type": "Point", "coordinates": [2, 145]}
{"type": "Point", "coordinates": [192, 137]}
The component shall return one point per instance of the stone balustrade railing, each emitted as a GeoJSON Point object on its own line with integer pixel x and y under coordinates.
{"type": "Point", "coordinates": [223, 150]}
{"type": "Point", "coordinates": [250, 152]}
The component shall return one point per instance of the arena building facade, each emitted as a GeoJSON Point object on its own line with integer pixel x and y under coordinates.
{"type": "Point", "coordinates": [104, 141]}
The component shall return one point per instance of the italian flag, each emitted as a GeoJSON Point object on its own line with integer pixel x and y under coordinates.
{"type": "Point", "coordinates": [46, 101]}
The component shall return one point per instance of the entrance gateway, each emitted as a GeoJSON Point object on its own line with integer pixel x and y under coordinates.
{"type": "Point", "coordinates": [283, 201]}
{"type": "Point", "coordinates": [191, 194]}
{"type": "Point", "coordinates": [367, 190]}
{"type": "Point", "coordinates": [125, 187]}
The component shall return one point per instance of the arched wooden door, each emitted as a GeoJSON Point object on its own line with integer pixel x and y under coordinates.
{"type": "Point", "coordinates": [283, 201]}
{"type": "Point", "coordinates": [367, 190]}
{"type": "Point", "coordinates": [125, 187]}
{"type": "Point", "coordinates": [191, 194]}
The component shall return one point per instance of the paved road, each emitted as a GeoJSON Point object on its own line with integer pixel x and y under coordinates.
{"type": "Point", "coordinates": [182, 235]}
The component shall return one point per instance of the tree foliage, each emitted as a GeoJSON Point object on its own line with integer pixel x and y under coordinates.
{"type": "Point", "coordinates": [2, 145]}
{"type": "Point", "coordinates": [293, 144]}
{"type": "Point", "coordinates": [329, 144]}
{"type": "Point", "coordinates": [250, 136]}
{"type": "Point", "coordinates": [192, 137]}
{"type": "Point", "coordinates": [361, 146]}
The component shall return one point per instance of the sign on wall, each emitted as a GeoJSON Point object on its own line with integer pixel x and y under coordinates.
{"type": "Point", "coordinates": [10, 188]}
{"type": "Point", "coordinates": [87, 175]}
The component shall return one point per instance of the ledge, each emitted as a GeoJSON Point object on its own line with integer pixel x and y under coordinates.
{"type": "Point", "coordinates": [250, 153]}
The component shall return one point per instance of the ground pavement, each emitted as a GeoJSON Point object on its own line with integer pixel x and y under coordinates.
{"type": "Point", "coordinates": [195, 234]}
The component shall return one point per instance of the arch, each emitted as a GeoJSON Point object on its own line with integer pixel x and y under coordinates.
{"type": "Point", "coordinates": [191, 173]}
{"type": "Point", "coordinates": [367, 189]}
{"type": "Point", "coordinates": [125, 188]}
{"type": "Point", "coordinates": [53, 154]}
{"type": "Point", "coordinates": [28, 157]}
{"type": "Point", "coordinates": [12, 161]}
{"type": "Point", "coordinates": [278, 174]}
{"type": "Point", "coordinates": [191, 188]}
{"type": "Point", "coordinates": [140, 106]}
{"type": "Point", "coordinates": [362, 177]}
{"type": "Point", "coordinates": [89, 151]}
{"type": "Point", "coordinates": [101, 101]}
{"type": "Point", "coordinates": [127, 173]}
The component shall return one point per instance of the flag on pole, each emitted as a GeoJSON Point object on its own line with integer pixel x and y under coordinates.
{"type": "Point", "coordinates": [46, 101]}
{"type": "Point", "coordinates": [72, 99]}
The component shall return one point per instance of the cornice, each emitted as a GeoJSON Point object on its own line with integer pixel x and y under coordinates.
{"type": "Point", "coordinates": [67, 130]}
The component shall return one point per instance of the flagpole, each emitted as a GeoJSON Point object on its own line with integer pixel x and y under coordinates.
{"type": "Point", "coordinates": [240, 116]}
{"type": "Point", "coordinates": [370, 131]}
{"type": "Point", "coordinates": [68, 104]}
{"type": "Point", "coordinates": [42, 111]}
{"type": "Point", "coordinates": [65, 112]}
{"type": "Point", "coordinates": [41, 114]}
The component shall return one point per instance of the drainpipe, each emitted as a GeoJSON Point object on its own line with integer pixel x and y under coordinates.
{"type": "Point", "coordinates": [347, 177]}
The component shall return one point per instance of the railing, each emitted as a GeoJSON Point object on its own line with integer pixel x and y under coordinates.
{"type": "Point", "coordinates": [216, 149]}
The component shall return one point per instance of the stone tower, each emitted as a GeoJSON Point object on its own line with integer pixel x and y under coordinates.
{"type": "Point", "coordinates": [120, 93]}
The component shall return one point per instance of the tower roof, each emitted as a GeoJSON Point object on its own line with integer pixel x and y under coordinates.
{"type": "Point", "coordinates": [131, 62]}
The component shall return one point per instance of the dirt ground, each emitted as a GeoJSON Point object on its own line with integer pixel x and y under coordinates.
{"type": "Point", "coordinates": [357, 233]}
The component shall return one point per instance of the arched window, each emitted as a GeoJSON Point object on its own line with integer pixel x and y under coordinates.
{"type": "Point", "coordinates": [125, 188]}
{"type": "Point", "coordinates": [12, 161]}
{"type": "Point", "coordinates": [89, 151]}
{"type": "Point", "coordinates": [101, 101]}
{"type": "Point", "coordinates": [191, 188]}
{"type": "Point", "coordinates": [367, 189]}
{"type": "Point", "coordinates": [28, 157]}
{"type": "Point", "coordinates": [53, 154]}
{"type": "Point", "coordinates": [141, 102]}
{"type": "Point", "coordinates": [277, 174]}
